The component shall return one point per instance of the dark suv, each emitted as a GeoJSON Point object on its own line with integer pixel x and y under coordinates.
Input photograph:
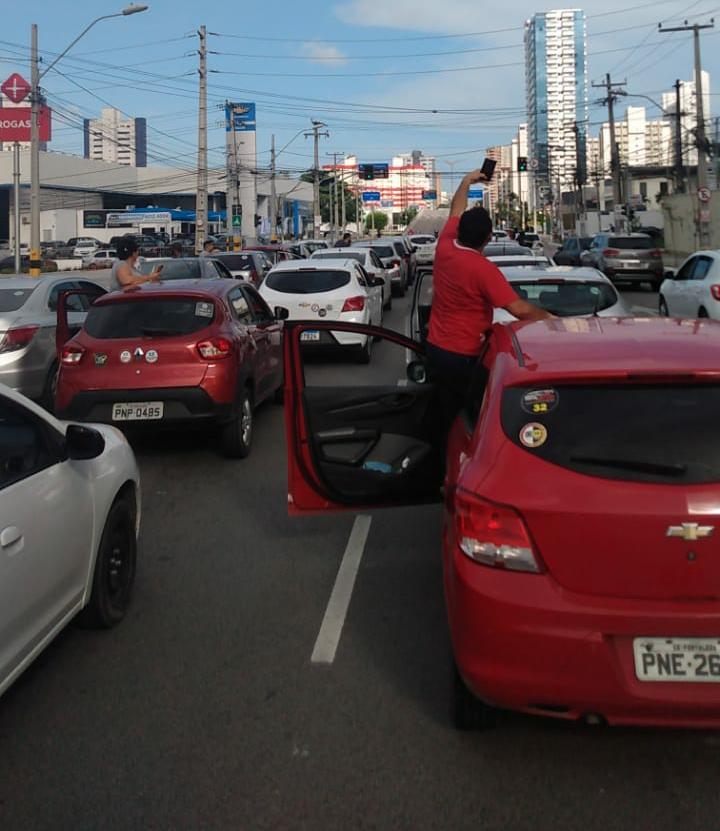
{"type": "Point", "coordinates": [634, 258]}
{"type": "Point", "coordinates": [571, 250]}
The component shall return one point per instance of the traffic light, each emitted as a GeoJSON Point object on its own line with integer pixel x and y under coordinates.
{"type": "Point", "coordinates": [522, 165]}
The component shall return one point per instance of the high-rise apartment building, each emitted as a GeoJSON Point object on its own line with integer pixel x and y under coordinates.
{"type": "Point", "coordinates": [115, 138]}
{"type": "Point", "coordinates": [557, 100]}
{"type": "Point", "coordinates": [688, 119]}
{"type": "Point", "coordinates": [640, 142]}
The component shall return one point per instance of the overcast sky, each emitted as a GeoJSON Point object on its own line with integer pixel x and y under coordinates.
{"type": "Point", "coordinates": [387, 76]}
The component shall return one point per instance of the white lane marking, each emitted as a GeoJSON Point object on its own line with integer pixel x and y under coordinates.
{"type": "Point", "coordinates": [644, 311]}
{"type": "Point", "coordinates": [403, 382]}
{"type": "Point", "coordinates": [329, 635]}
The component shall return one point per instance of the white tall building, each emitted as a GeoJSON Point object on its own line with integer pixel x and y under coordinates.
{"type": "Point", "coordinates": [640, 142]}
{"type": "Point", "coordinates": [557, 100]}
{"type": "Point", "coordinates": [688, 108]}
{"type": "Point", "coordinates": [116, 138]}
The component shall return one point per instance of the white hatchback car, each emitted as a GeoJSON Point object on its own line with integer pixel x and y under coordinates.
{"type": "Point", "coordinates": [69, 519]}
{"type": "Point", "coordinates": [694, 290]}
{"type": "Point", "coordinates": [367, 258]}
{"type": "Point", "coordinates": [327, 290]}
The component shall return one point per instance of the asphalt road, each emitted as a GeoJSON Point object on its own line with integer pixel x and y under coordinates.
{"type": "Point", "coordinates": [203, 710]}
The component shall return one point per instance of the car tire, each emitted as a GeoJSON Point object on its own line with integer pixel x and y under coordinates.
{"type": "Point", "coordinates": [364, 354]}
{"type": "Point", "coordinates": [663, 310]}
{"type": "Point", "coordinates": [47, 399]}
{"type": "Point", "coordinates": [236, 435]}
{"type": "Point", "coordinates": [115, 567]}
{"type": "Point", "coordinates": [655, 285]}
{"type": "Point", "coordinates": [469, 712]}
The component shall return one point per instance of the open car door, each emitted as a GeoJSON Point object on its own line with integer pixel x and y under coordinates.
{"type": "Point", "coordinates": [65, 328]}
{"type": "Point", "coordinates": [358, 437]}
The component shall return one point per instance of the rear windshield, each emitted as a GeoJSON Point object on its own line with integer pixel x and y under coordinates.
{"type": "Point", "coordinates": [350, 255]}
{"type": "Point", "coordinates": [180, 269]}
{"type": "Point", "coordinates": [400, 249]}
{"type": "Point", "coordinates": [625, 243]}
{"type": "Point", "coordinates": [149, 317]}
{"type": "Point", "coordinates": [568, 299]}
{"type": "Point", "coordinates": [640, 433]}
{"type": "Point", "coordinates": [306, 282]}
{"type": "Point", "coordinates": [314, 246]}
{"type": "Point", "coordinates": [237, 262]}
{"type": "Point", "coordinates": [383, 250]}
{"type": "Point", "coordinates": [511, 249]}
{"type": "Point", "coordinates": [13, 299]}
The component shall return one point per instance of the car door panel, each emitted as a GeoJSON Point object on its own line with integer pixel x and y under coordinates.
{"type": "Point", "coordinates": [358, 445]}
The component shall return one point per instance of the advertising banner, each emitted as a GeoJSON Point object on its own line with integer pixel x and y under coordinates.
{"type": "Point", "coordinates": [15, 124]}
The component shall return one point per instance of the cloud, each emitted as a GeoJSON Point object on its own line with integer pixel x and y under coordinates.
{"type": "Point", "coordinates": [323, 53]}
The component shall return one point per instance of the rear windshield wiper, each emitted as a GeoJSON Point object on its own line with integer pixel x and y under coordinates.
{"type": "Point", "coordinates": [150, 330]}
{"type": "Point", "coordinates": [633, 464]}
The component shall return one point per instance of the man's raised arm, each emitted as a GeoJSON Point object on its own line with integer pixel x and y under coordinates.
{"type": "Point", "coordinates": [460, 199]}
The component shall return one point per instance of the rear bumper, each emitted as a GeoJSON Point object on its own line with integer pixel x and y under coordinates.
{"type": "Point", "coordinates": [523, 643]}
{"type": "Point", "coordinates": [650, 271]}
{"type": "Point", "coordinates": [181, 404]}
{"type": "Point", "coordinates": [334, 340]}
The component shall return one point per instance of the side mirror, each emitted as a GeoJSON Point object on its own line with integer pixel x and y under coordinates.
{"type": "Point", "coordinates": [83, 443]}
{"type": "Point", "coordinates": [670, 274]}
{"type": "Point", "coordinates": [416, 372]}
{"type": "Point", "coordinates": [281, 313]}
{"type": "Point", "coordinates": [377, 281]}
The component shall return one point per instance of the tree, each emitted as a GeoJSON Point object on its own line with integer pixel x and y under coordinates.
{"type": "Point", "coordinates": [407, 216]}
{"type": "Point", "coordinates": [325, 186]}
{"type": "Point", "coordinates": [379, 222]}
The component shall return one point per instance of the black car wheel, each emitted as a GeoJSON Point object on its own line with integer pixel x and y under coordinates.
{"type": "Point", "coordinates": [469, 713]}
{"type": "Point", "coordinates": [114, 569]}
{"type": "Point", "coordinates": [47, 399]}
{"type": "Point", "coordinates": [236, 436]}
{"type": "Point", "coordinates": [663, 308]}
{"type": "Point", "coordinates": [364, 353]}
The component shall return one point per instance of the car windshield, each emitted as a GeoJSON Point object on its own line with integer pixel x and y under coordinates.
{"type": "Point", "coordinates": [314, 246]}
{"type": "Point", "coordinates": [630, 243]}
{"type": "Point", "coordinates": [503, 249]}
{"type": "Point", "coordinates": [359, 256]}
{"type": "Point", "coordinates": [150, 316]}
{"type": "Point", "coordinates": [383, 251]}
{"type": "Point", "coordinates": [567, 299]}
{"type": "Point", "coordinates": [180, 269]}
{"type": "Point", "coordinates": [13, 299]}
{"type": "Point", "coordinates": [644, 433]}
{"type": "Point", "coordinates": [236, 262]}
{"type": "Point", "coordinates": [306, 282]}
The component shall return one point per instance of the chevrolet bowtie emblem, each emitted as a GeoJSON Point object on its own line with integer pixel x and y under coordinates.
{"type": "Point", "coordinates": [690, 531]}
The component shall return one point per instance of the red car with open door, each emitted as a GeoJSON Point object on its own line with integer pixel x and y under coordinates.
{"type": "Point", "coordinates": [581, 543]}
{"type": "Point", "coordinates": [207, 351]}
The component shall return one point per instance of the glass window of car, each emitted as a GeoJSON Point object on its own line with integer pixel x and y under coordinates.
{"type": "Point", "coordinates": [259, 308]}
{"type": "Point", "coordinates": [702, 268]}
{"type": "Point", "coordinates": [307, 281]}
{"type": "Point", "coordinates": [568, 299]}
{"type": "Point", "coordinates": [13, 299]}
{"type": "Point", "coordinates": [686, 269]}
{"type": "Point", "coordinates": [150, 316]}
{"type": "Point", "coordinates": [361, 275]}
{"type": "Point", "coordinates": [73, 303]}
{"type": "Point", "coordinates": [375, 260]}
{"type": "Point", "coordinates": [384, 251]}
{"type": "Point", "coordinates": [221, 269]}
{"type": "Point", "coordinates": [239, 306]}
{"type": "Point", "coordinates": [179, 269]}
{"type": "Point", "coordinates": [399, 249]}
{"type": "Point", "coordinates": [631, 243]}
{"type": "Point", "coordinates": [94, 292]}
{"type": "Point", "coordinates": [24, 445]}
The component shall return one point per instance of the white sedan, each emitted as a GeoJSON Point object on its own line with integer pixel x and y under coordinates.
{"type": "Point", "coordinates": [327, 290]}
{"type": "Point", "coordinates": [69, 518]}
{"type": "Point", "coordinates": [367, 258]}
{"type": "Point", "coordinates": [694, 290]}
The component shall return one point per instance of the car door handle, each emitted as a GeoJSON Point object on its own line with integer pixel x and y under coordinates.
{"type": "Point", "coordinates": [9, 536]}
{"type": "Point", "coordinates": [397, 400]}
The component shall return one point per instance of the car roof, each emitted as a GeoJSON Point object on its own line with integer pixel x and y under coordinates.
{"type": "Point", "coordinates": [515, 258]}
{"type": "Point", "coordinates": [339, 251]}
{"type": "Point", "coordinates": [217, 287]}
{"type": "Point", "coordinates": [314, 265]}
{"type": "Point", "coordinates": [599, 348]}
{"type": "Point", "coordinates": [21, 282]}
{"type": "Point", "coordinates": [553, 272]}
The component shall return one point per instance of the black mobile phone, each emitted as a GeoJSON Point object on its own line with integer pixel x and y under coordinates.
{"type": "Point", "coordinates": [488, 168]}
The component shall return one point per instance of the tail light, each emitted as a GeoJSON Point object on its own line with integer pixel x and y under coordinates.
{"type": "Point", "coordinates": [611, 252]}
{"type": "Point", "coordinates": [715, 291]}
{"type": "Point", "coordinates": [18, 338]}
{"type": "Point", "coordinates": [354, 304]}
{"type": "Point", "coordinates": [493, 535]}
{"type": "Point", "coordinates": [655, 253]}
{"type": "Point", "coordinates": [394, 262]}
{"type": "Point", "coordinates": [72, 354]}
{"type": "Point", "coordinates": [214, 349]}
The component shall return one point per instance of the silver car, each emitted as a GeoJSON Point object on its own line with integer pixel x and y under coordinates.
{"type": "Point", "coordinates": [634, 258]}
{"type": "Point", "coordinates": [28, 309]}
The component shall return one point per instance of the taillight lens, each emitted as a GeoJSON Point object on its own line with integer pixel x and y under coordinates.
{"type": "Point", "coordinates": [72, 354]}
{"type": "Point", "coordinates": [394, 262]}
{"type": "Point", "coordinates": [354, 304]}
{"type": "Point", "coordinates": [493, 535]}
{"type": "Point", "coordinates": [715, 291]}
{"type": "Point", "coordinates": [655, 253]}
{"type": "Point", "coordinates": [214, 349]}
{"type": "Point", "coordinates": [19, 338]}
{"type": "Point", "coordinates": [611, 252]}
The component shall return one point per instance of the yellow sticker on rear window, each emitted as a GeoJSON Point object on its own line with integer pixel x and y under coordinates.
{"type": "Point", "coordinates": [533, 435]}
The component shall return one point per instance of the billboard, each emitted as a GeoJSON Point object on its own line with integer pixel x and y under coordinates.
{"type": "Point", "coordinates": [15, 124]}
{"type": "Point", "coordinates": [240, 138]}
{"type": "Point", "coordinates": [374, 170]}
{"type": "Point", "coordinates": [476, 193]}
{"type": "Point", "coordinates": [240, 117]}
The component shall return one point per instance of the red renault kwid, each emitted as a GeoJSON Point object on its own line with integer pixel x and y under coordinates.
{"type": "Point", "coordinates": [581, 544]}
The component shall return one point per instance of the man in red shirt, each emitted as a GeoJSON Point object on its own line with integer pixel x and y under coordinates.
{"type": "Point", "coordinates": [467, 288]}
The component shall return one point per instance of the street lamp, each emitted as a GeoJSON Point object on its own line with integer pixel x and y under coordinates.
{"type": "Point", "coordinates": [36, 75]}
{"type": "Point", "coordinates": [451, 165]}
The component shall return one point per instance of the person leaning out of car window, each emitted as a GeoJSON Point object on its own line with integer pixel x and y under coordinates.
{"type": "Point", "coordinates": [467, 288]}
{"type": "Point", "coordinates": [124, 275]}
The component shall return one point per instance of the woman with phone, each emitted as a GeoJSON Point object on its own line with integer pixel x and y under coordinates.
{"type": "Point", "coordinates": [124, 275]}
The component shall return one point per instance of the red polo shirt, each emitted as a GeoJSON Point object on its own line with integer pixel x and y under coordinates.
{"type": "Point", "coordinates": [467, 288]}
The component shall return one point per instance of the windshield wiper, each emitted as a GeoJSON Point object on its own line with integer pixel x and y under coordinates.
{"type": "Point", "coordinates": [633, 464]}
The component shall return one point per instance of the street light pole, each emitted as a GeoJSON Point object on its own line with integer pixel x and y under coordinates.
{"type": "Point", "coordinates": [35, 97]}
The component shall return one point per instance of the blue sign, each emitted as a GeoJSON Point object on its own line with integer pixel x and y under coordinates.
{"type": "Point", "coordinates": [371, 196]}
{"type": "Point", "coordinates": [476, 193]}
{"type": "Point", "coordinates": [241, 116]}
{"type": "Point", "coordinates": [429, 194]}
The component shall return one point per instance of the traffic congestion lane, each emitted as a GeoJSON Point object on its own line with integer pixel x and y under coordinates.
{"type": "Point", "coordinates": [205, 710]}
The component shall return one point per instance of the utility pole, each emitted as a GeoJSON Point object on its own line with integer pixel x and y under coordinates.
{"type": "Point", "coordinates": [316, 133]}
{"type": "Point", "coordinates": [201, 202]}
{"type": "Point", "coordinates": [336, 196]}
{"type": "Point", "coordinates": [612, 95]}
{"type": "Point", "coordinates": [16, 204]}
{"type": "Point", "coordinates": [34, 154]}
{"type": "Point", "coordinates": [580, 178]}
{"type": "Point", "coordinates": [679, 167]}
{"type": "Point", "coordinates": [701, 142]}
{"type": "Point", "coordinates": [273, 193]}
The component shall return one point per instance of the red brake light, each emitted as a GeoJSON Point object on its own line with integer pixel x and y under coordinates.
{"type": "Point", "coordinates": [655, 253]}
{"type": "Point", "coordinates": [395, 262]}
{"type": "Point", "coordinates": [17, 338]}
{"type": "Point", "coordinates": [715, 291]}
{"type": "Point", "coordinates": [72, 354]}
{"type": "Point", "coordinates": [611, 252]}
{"type": "Point", "coordinates": [493, 535]}
{"type": "Point", "coordinates": [214, 348]}
{"type": "Point", "coordinates": [354, 304]}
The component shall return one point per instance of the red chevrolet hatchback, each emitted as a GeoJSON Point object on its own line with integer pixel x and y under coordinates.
{"type": "Point", "coordinates": [190, 351]}
{"type": "Point", "coordinates": [581, 542]}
